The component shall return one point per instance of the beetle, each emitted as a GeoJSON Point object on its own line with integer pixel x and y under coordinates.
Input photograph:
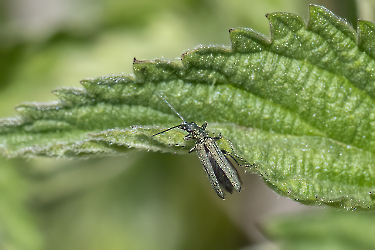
{"type": "Point", "coordinates": [221, 172]}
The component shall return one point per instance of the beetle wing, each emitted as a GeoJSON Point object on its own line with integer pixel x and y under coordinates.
{"type": "Point", "coordinates": [226, 167]}
{"type": "Point", "coordinates": [205, 160]}
{"type": "Point", "coordinates": [220, 175]}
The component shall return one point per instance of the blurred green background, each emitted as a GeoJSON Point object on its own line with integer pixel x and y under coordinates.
{"type": "Point", "coordinates": [142, 200]}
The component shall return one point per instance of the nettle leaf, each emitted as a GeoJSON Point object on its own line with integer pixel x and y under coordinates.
{"type": "Point", "coordinates": [299, 108]}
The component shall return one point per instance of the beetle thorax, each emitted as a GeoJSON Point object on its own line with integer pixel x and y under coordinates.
{"type": "Point", "coordinates": [194, 130]}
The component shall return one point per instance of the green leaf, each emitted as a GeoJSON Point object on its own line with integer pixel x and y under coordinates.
{"type": "Point", "coordinates": [18, 229]}
{"type": "Point", "coordinates": [299, 108]}
{"type": "Point", "coordinates": [323, 230]}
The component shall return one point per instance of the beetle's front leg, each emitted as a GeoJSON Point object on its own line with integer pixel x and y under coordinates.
{"type": "Point", "coordinates": [204, 126]}
{"type": "Point", "coordinates": [192, 149]}
{"type": "Point", "coordinates": [188, 137]}
{"type": "Point", "coordinates": [219, 137]}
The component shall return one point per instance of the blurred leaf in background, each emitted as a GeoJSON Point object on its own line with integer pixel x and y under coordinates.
{"type": "Point", "coordinates": [140, 206]}
{"type": "Point", "coordinates": [328, 230]}
{"type": "Point", "coordinates": [18, 228]}
{"type": "Point", "coordinates": [159, 201]}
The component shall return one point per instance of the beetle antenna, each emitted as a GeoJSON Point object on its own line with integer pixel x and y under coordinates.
{"type": "Point", "coordinates": [171, 108]}
{"type": "Point", "coordinates": [167, 130]}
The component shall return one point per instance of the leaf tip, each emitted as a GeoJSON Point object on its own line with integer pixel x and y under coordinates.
{"type": "Point", "coordinates": [86, 80]}
{"type": "Point", "coordinates": [135, 61]}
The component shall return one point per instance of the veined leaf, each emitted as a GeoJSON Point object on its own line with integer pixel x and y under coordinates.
{"type": "Point", "coordinates": [299, 108]}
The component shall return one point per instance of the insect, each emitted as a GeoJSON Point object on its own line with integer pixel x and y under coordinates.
{"type": "Point", "coordinates": [219, 169]}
